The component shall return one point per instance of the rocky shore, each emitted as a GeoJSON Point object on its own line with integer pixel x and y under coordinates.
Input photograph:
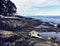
{"type": "Point", "coordinates": [14, 31]}
{"type": "Point", "coordinates": [19, 23]}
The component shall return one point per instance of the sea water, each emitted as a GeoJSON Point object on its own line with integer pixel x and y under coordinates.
{"type": "Point", "coordinates": [55, 19]}
{"type": "Point", "coordinates": [45, 35]}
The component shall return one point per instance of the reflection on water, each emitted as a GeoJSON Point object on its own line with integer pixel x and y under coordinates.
{"type": "Point", "coordinates": [50, 34]}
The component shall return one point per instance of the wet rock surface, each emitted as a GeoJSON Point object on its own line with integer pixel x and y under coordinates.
{"type": "Point", "coordinates": [14, 39]}
{"type": "Point", "coordinates": [14, 31]}
{"type": "Point", "coordinates": [19, 23]}
{"type": "Point", "coordinates": [22, 39]}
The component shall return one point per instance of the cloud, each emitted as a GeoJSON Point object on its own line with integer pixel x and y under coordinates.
{"type": "Point", "coordinates": [24, 7]}
{"type": "Point", "coordinates": [53, 12]}
{"type": "Point", "coordinates": [53, 7]}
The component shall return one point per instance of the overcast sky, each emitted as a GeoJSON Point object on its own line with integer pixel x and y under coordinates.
{"type": "Point", "coordinates": [37, 7]}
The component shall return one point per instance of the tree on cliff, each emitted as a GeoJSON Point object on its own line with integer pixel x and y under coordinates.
{"type": "Point", "coordinates": [7, 8]}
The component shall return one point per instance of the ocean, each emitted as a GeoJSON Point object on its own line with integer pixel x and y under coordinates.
{"type": "Point", "coordinates": [55, 19]}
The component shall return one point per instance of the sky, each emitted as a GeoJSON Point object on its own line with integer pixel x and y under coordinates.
{"type": "Point", "coordinates": [37, 7]}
